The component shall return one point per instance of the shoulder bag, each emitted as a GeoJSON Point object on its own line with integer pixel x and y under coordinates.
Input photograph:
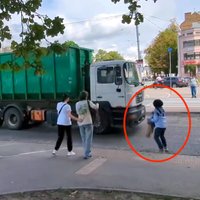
{"type": "Point", "coordinates": [95, 116]}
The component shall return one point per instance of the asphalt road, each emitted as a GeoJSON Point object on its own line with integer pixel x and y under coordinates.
{"type": "Point", "coordinates": [176, 134]}
{"type": "Point", "coordinates": [27, 163]}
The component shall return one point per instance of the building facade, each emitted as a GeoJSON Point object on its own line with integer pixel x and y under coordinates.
{"type": "Point", "coordinates": [189, 45]}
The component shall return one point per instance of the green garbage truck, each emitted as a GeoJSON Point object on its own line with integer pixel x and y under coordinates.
{"type": "Point", "coordinates": [26, 97]}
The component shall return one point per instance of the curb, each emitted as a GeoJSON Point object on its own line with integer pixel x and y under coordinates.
{"type": "Point", "coordinates": [102, 189]}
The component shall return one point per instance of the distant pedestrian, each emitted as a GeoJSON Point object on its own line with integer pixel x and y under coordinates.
{"type": "Point", "coordinates": [86, 126]}
{"type": "Point", "coordinates": [64, 125]}
{"type": "Point", "coordinates": [160, 122]}
{"type": "Point", "coordinates": [193, 86]}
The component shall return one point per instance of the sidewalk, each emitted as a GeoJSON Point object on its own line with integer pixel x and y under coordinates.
{"type": "Point", "coordinates": [108, 169]}
{"type": "Point", "coordinates": [172, 102]}
{"type": "Point", "coordinates": [185, 92]}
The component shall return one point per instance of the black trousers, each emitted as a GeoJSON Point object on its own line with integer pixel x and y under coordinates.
{"type": "Point", "coordinates": [61, 133]}
{"type": "Point", "coordinates": [160, 138]}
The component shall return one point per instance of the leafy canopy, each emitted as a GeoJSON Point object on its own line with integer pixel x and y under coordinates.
{"type": "Point", "coordinates": [103, 55]}
{"type": "Point", "coordinates": [157, 55]}
{"type": "Point", "coordinates": [35, 29]}
{"type": "Point", "coordinates": [133, 14]}
{"type": "Point", "coordinates": [191, 69]}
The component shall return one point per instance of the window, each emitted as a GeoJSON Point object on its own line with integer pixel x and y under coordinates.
{"type": "Point", "coordinates": [197, 55]}
{"type": "Point", "coordinates": [197, 42]}
{"type": "Point", "coordinates": [191, 43]}
{"type": "Point", "coordinates": [198, 69]}
{"type": "Point", "coordinates": [185, 56]}
{"type": "Point", "coordinates": [105, 75]}
{"type": "Point", "coordinates": [188, 56]}
{"type": "Point", "coordinates": [131, 74]}
{"type": "Point", "coordinates": [192, 56]}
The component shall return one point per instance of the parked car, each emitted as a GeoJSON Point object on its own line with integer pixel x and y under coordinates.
{"type": "Point", "coordinates": [175, 82]}
{"type": "Point", "coordinates": [187, 79]}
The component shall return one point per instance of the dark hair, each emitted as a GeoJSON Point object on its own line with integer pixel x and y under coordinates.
{"type": "Point", "coordinates": [65, 97]}
{"type": "Point", "coordinates": [158, 103]}
{"type": "Point", "coordinates": [83, 95]}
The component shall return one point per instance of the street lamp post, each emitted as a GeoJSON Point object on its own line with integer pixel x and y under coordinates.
{"type": "Point", "coordinates": [170, 64]}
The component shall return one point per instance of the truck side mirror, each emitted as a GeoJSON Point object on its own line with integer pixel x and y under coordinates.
{"type": "Point", "coordinates": [118, 80]}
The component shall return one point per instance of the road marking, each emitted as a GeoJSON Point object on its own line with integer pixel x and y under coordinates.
{"type": "Point", "coordinates": [91, 166]}
{"type": "Point", "coordinates": [31, 152]}
{"type": "Point", "coordinates": [3, 145]}
{"type": "Point", "coordinates": [26, 153]}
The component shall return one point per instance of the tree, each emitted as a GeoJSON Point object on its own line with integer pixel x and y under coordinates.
{"type": "Point", "coordinates": [35, 29]}
{"type": "Point", "coordinates": [191, 69]}
{"type": "Point", "coordinates": [104, 55]}
{"type": "Point", "coordinates": [134, 14]}
{"type": "Point", "coordinates": [70, 43]}
{"type": "Point", "coordinates": [157, 55]}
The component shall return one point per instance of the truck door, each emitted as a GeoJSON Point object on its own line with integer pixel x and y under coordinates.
{"type": "Point", "coordinates": [107, 88]}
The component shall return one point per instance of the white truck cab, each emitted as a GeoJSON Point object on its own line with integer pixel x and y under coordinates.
{"type": "Point", "coordinates": [112, 84]}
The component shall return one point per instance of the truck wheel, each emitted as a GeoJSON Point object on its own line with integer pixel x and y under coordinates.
{"type": "Point", "coordinates": [13, 119]}
{"type": "Point", "coordinates": [1, 122]}
{"type": "Point", "coordinates": [105, 123]}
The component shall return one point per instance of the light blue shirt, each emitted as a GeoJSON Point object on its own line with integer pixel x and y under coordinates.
{"type": "Point", "coordinates": [159, 118]}
{"type": "Point", "coordinates": [193, 82]}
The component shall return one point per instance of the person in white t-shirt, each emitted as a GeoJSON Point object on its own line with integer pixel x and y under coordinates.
{"type": "Point", "coordinates": [85, 126]}
{"type": "Point", "coordinates": [64, 125]}
{"type": "Point", "coordinates": [193, 86]}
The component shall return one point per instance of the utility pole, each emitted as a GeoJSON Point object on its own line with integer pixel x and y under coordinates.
{"type": "Point", "coordinates": [138, 42]}
{"type": "Point", "coordinates": [137, 35]}
{"type": "Point", "coordinates": [139, 61]}
{"type": "Point", "coordinates": [170, 64]}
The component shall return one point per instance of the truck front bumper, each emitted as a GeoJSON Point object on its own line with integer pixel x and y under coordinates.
{"type": "Point", "coordinates": [135, 115]}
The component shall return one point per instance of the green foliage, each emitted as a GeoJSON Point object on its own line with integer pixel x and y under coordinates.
{"type": "Point", "coordinates": [70, 43]}
{"type": "Point", "coordinates": [35, 29]}
{"type": "Point", "coordinates": [133, 14]}
{"type": "Point", "coordinates": [157, 55]}
{"type": "Point", "coordinates": [191, 69]}
{"type": "Point", "coordinates": [104, 55]}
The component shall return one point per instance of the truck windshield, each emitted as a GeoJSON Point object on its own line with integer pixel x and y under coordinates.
{"type": "Point", "coordinates": [131, 73]}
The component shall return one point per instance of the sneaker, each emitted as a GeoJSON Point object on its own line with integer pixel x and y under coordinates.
{"type": "Point", "coordinates": [87, 157]}
{"type": "Point", "coordinates": [160, 150]}
{"type": "Point", "coordinates": [71, 153]}
{"type": "Point", "coordinates": [166, 150]}
{"type": "Point", "coordinates": [54, 152]}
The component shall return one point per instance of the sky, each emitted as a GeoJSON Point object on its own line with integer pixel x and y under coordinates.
{"type": "Point", "coordinates": [96, 24]}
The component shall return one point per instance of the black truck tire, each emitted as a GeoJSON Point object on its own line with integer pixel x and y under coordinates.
{"type": "Point", "coordinates": [105, 124]}
{"type": "Point", "coordinates": [13, 119]}
{"type": "Point", "coordinates": [1, 122]}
